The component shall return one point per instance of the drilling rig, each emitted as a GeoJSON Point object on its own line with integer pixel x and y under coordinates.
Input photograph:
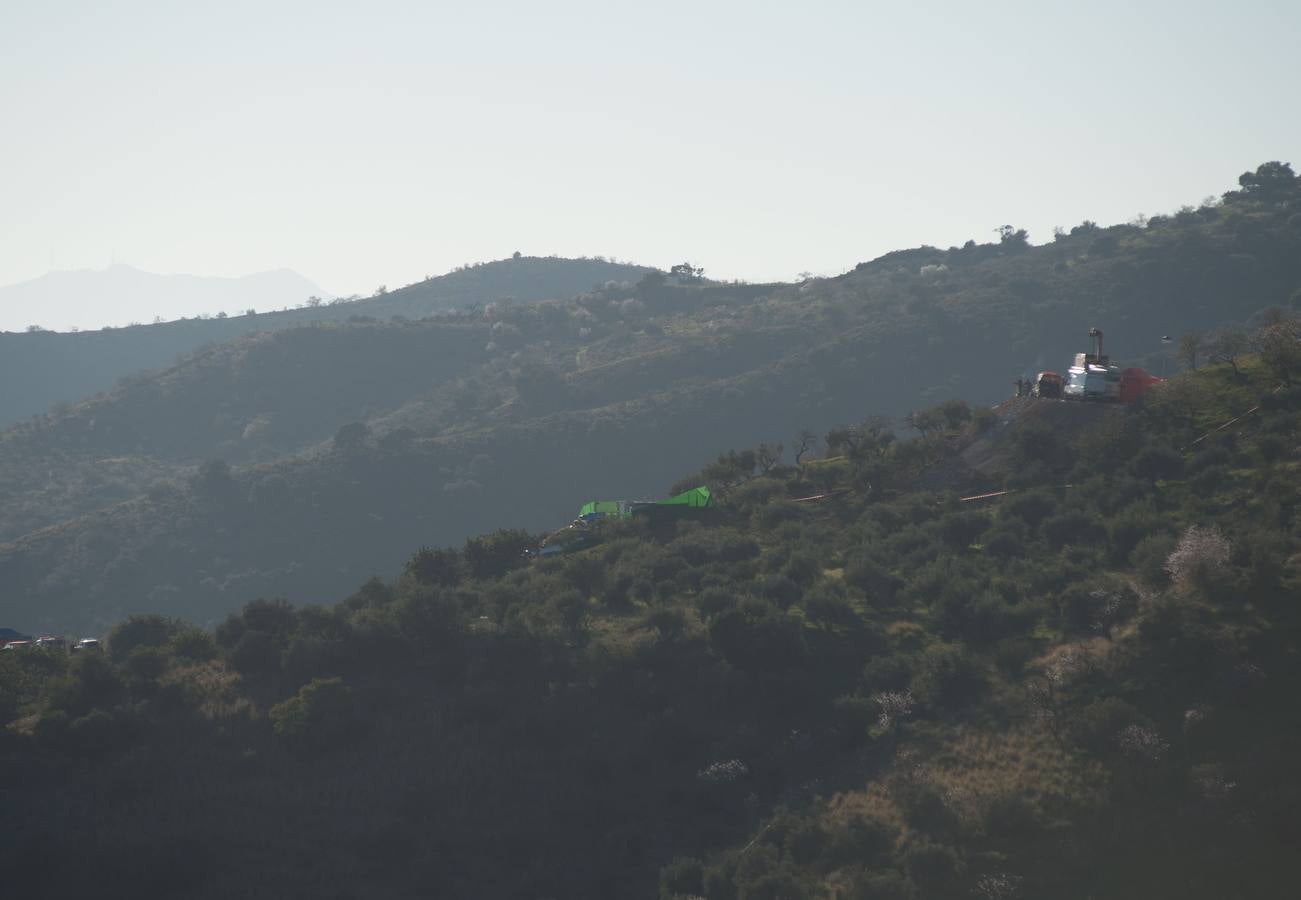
{"type": "Point", "coordinates": [1093, 377]}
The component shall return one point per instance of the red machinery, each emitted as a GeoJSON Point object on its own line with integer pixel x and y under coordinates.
{"type": "Point", "coordinates": [1134, 383]}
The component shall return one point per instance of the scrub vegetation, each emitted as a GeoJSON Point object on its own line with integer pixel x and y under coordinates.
{"type": "Point", "coordinates": [1081, 688]}
{"type": "Point", "coordinates": [299, 461]}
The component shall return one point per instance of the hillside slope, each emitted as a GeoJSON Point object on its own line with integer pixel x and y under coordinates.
{"type": "Point", "coordinates": [40, 370]}
{"type": "Point", "coordinates": [888, 693]}
{"type": "Point", "coordinates": [614, 392]}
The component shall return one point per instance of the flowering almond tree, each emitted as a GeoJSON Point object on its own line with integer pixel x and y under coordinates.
{"type": "Point", "coordinates": [1202, 551]}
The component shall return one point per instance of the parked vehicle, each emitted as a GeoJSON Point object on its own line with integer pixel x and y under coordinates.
{"type": "Point", "coordinates": [86, 644]}
{"type": "Point", "coordinates": [1048, 385]}
{"type": "Point", "coordinates": [9, 634]}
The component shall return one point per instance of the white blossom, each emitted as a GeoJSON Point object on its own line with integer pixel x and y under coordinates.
{"type": "Point", "coordinates": [998, 886]}
{"type": "Point", "coordinates": [895, 706]}
{"type": "Point", "coordinates": [724, 771]}
{"type": "Point", "coordinates": [1200, 551]}
{"type": "Point", "coordinates": [1140, 742]}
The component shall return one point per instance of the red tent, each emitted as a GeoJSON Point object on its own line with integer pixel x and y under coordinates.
{"type": "Point", "coordinates": [1134, 383]}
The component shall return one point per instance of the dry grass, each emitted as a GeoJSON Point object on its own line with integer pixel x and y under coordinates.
{"type": "Point", "coordinates": [974, 770]}
{"type": "Point", "coordinates": [214, 687]}
{"type": "Point", "coordinates": [981, 767]}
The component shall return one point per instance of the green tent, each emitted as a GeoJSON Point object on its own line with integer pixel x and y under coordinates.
{"type": "Point", "coordinates": [604, 508]}
{"type": "Point", "coordinates": [697, 497]}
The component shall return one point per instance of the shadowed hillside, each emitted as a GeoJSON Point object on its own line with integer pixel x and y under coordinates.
{"type": "Point", "coordinates": [297, 463]}
{"type": "Point", "coordinates": [884, 692]}
{"type": "Point", "coordinates": [39, 370]}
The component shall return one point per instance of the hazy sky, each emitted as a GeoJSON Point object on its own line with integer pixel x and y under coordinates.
{"type": "Point", "coordinates": [369, 143]}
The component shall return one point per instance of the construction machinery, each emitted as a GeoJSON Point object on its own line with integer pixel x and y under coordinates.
{"type": "Point", "coordinates": [1093, 377]}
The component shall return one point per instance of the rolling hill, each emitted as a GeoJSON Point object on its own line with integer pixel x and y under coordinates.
{"type": "Point", "coordinates": [887, 692]}
{"type": "Point", "coordinates": [299, 462]}
{"type": "Point", "coordinates": [42, 369]}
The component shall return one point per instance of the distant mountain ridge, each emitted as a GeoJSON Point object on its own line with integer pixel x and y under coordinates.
{"type": "Point", "coordinates": [61, 299]}
{"type": "Point", "coordinates": [42, 369]}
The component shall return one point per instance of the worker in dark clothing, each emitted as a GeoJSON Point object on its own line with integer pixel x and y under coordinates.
{"type": "Point", "coordinates": [1020, 387]}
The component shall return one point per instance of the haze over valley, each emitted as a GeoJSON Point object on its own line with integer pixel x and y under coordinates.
{"type": "Point", "coordinates": [124, 295]}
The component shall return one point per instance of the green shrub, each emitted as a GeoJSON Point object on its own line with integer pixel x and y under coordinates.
{"type": "Point", "coordinates": [193, 644]}
{"type": "Point", "coordinates": [863, 840]}
{"type": "Point", "coordinates": [948, 677]}
{"type": "Point", "coordinates": [783, 884]}
{"type": "Point", "coordinates": [588, 574]}
{"type": "Point", "coordinates": [888, 673]}
{"type": "Point", "coordinates": [756, 636]}
{"type": "Point", "coordinates": [1009, 814]}
{"type": "Point", "coordinates": [802, 568]}
{"type": "Point", "coordinates": [147, 664]}
{"type": "Point", "coordinates": [256, 654]}
{"type": "Point", "coordinates": [1095, 726]}
{"type": "Point", "coordinates": [713, 545]}
{"type": "Point", "coordinates": [92, 682]}
{"type": "Point", "coordinates": [1012, 656]}
{"type": "Point", "coordinates": [1080, 606]}
{"type": "Point", "coordinates": [886, 885]}
{"type": "Point", "coordinates": [1072, 527]}
{"type": "Point", "coordinates": [667, 621]}
{"type": "Point", "coordinates": [1038, 445]}
{"type": "Point", "coordinates": [720, 881]}
{"type": "Point", "coordinates": [991, 618]}
{"type": "Point", "coordinates": [873, 580]}
{"type": "Point", "coordinates": [1130, 527]}
{"type": "Point", "coordinates": [274, 617]}
{"type": "Point", "coordinates": [805, 842]}
{"type": "Point", "coordinates": [778, 512]}
{"type": "Point", "coordinates": [713, 601]}
{"type": "Point", "coordinates": [1149, 559]}
{"type": "Point", "coordinates": [310, 656]}
{"type": "Point", "coordinates": [925, 809]}
{"type": "Point", "coordinates": [1210, 480]}
{"type": "Point", "coordinates": [1272, 447]}
{"type": "Point", "coordinates": [140, 631]}
{"type": "Point", "coordinates": [826, 605]}
{"type": "Point", "coordinates": [438, 567]}
{"type": "Point", "coordinates": [96, 734]}
{"type": "Point", "coordinates": [493, 555]}
{"type": "Point", "coordinates": [781, 591]}
{"type": "Point", "coordinates": [1158, 464]}
{"type": "Point", "coordinates": [932, 866]}
{"type": "Point", "coordinates": [1031, 507]}
{"type": "Point", "coordinates": [322, 715]}
{"type": "Point", "coordinates": [961, 529]}
{"type": "Point", "coordinates": [1006, 541]}
{"type": "Point", "coordinates": [853, 717]}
